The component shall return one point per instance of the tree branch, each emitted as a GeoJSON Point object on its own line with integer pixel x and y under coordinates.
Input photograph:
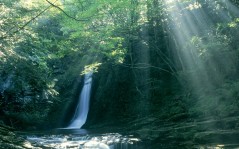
{"type": "Point", "coordinates": [69, 16]}
{"type": "Point", "coordinates": [28, 22]}
{"type": "Point", "coordinates": [22, 27]}
{"type": "Point", "coordinates": [144, 66]}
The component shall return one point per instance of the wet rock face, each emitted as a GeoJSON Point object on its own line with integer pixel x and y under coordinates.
{"type": "Point", "coordinates": [8, 139]}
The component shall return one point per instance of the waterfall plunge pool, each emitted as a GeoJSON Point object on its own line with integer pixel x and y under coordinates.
{"type": "Point", "coordinates": [110, 139]}
{"type": "Point", "coordinates": [81, 139]}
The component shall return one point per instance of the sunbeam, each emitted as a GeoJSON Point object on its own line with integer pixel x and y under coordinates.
{"type": "Point", "coordinates": [202, 55]}
{"type": "Point", "coordinates": [191, 28]}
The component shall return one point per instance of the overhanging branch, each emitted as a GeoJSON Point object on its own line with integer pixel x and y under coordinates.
{"type": "Point", "coordinates": [22, 27]}
{"type": "Point", "coordinates": [69, 16]}
{"type": "Point", "coordinates": [28, 22]}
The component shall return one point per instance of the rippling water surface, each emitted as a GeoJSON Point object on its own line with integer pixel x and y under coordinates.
{"type": "Point", "coordinates": [105, 139]}
{"type": "Point", "coordinates": [82, 139]}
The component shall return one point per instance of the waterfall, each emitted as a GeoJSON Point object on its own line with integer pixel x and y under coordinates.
{"type": "Point", "coordinates": [82, 109]}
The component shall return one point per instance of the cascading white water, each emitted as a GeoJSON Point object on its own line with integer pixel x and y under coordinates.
{"type": "Point", "coordinates": [82, 109]}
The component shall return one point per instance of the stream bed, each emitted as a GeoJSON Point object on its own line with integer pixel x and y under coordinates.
{"type": "Point", "coordinates": [171, 137]}
{"type": "Point", "coordinates": [81, 139]}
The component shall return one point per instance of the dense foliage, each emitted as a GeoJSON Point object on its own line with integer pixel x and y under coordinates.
{"type": "Point", "coordinates": [173, 60]}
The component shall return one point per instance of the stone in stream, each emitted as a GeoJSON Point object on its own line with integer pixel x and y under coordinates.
{"type": "Point", "coordinates": [95, 145]}
{"type": "Point", "coordinates": [8, 139]}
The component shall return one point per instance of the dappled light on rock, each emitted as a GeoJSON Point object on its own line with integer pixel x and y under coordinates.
{"type": "Point", "coordinates": [95, 145]}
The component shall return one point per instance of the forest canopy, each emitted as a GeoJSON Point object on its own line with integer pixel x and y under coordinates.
{"type": "Point", "coordinates": [145, 55]}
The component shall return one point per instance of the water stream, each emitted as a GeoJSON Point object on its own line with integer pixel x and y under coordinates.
{"type": "Point", "coordinates": [82, 109]}
{"type": "Point", "coordinates": [85, 139]}
{"type": "Point", "coordinates": [82, 139]}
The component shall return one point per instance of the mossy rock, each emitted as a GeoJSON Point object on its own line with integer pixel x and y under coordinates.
{"type": "Point", "coordinates": [9, 140]}
{"type": "Point", "coordinates": [217, 136]}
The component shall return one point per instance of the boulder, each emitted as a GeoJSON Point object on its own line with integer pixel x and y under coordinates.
{"type": "Point", "coordinates": [95, 145]}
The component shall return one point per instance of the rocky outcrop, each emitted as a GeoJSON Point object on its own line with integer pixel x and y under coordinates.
{"type": "Point", "coordinates": [9, 140]}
